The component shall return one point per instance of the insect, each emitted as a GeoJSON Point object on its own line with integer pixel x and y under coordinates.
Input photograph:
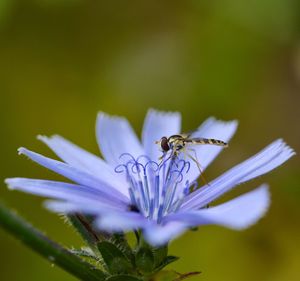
{"type": "Point", "coordinates": [183, 143]}
{"type": "Point", "coordinates": [177, 143]}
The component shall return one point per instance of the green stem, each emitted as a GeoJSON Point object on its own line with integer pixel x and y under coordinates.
{"type": "Point", "coordinates": [55, 253]}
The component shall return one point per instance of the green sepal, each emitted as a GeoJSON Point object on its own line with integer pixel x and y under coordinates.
{"type": "Point", "coordinates": [119, 239]}
{"type": "Point", "coordinates": [85, 253]}
{"type": "Point", "coordinates": [165, 262]}
{"type": "Point", "coordinates": [123, 277]}
{"type": "Point", "coordinates": [114, 259]}
{"type": "Point", "coordinates": [144, 260]}
{"type": "Point", "coordinates": [84, 228]}
{"type": "Point", "coordinates": [159, 255]}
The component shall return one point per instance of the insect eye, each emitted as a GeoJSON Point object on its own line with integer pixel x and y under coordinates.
{"type": "Point", "coordinates": [164, 144]}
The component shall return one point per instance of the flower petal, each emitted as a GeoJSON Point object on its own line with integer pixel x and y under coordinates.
{"type": "Point", "coordinates": [85, 161]}
{"type": "Point", "coordinates": [63, 191]}
{"type": "Point", "coordinates": [115, 137]}
{"type": "Point", "coordinates": [238, 213]}
{"type": "Point", "coordinates": [158, 124]}
{"type": "Point", "coordinates": [121, 221]}
{"type": "Point", "coordinates": [75, 174]}
{"type": "Point", "coordinates": [89, 208]}
{"type": "Point", "coordinates": [266, 160]}
{"type": "Point", "coordinates": [108, 219]}
{"type": "Point", "coordinates": [158, 235]}
{"type": "Point", "coordinates": [214, 129]}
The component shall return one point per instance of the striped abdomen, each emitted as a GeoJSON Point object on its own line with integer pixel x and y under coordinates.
{"type": "Point", "coordinates": [206, 141]}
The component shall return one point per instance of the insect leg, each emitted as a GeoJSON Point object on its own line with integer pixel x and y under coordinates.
{"type": "Point", "coordinates": [195, 159]}
{"type": "Point", "coordinates": [174, 155]}
{"type": "Point", "coordinates": [164, 158]}
{"type": "Point", "coordinates": [160, 159]}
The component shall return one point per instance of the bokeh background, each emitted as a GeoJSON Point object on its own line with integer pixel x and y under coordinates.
{"type": "Point", "coordinates": [61, 61]}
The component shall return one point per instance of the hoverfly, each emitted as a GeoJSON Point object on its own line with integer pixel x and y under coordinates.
{"type": "Point", "coordinates": [177, 143]}
{"type": "Point", "coordinates": [181, 143]}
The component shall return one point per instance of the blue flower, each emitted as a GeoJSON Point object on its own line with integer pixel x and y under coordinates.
{"type": "Point", "coordinates": [132, 189]}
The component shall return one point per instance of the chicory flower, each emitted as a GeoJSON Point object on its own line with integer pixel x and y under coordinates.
{"type": "Point", "coordinates": [131, 189]}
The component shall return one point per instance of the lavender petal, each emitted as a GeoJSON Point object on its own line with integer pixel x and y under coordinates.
{"type": "Point", "coordinates": [115, 136]}
{"type": "Point", "coordinates": [266, 160]}
{"type": "Point", "coordinates": [238, 213]}
{"type": "Point", "coordinates": [74, 174]}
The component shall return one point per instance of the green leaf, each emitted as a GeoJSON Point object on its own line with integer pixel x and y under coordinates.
{"type": "Point", "coordinates": [123, 277]}
{"type": "Point", "coordinates": [84, 227]}
{"type": "Point", "coordinates": [114, 259]}
{"type": "Point", "coordinates": [144, 260]}
{"type": "Point", "coordinates": [165, 262]}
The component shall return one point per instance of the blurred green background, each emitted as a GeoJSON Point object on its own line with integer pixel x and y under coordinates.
{"type": "Point", "coordinates": [63, 60]}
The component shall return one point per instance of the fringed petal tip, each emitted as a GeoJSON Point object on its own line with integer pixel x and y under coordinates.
{"type": "Point", "coordinates": [285, 152]}
{"type": "Point", "coordinates": [104, 115]}
{"type": "Point", "coordinates": [163, 113]}
{"type": "Point", "coordinates": [22, 150]}
{"type": "Point", "coordinates": [10, 182]}
{"type": "Point", "coordinates": [290, 151]}
{"type": "Point", "coordinates": [213, 122]}
{"type": "Point", "coordinates": [48, 139]}
{"type": "Point", "coordinates": [42, 138]}
{"type": "Point", "coordinates": [223, 122]}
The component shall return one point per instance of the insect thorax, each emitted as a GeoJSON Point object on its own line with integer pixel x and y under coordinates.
{"type": "Point", "coordinates": [176, 142]}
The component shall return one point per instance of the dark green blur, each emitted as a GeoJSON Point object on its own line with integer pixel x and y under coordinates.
{"type": "Point", "coordinates": [61, 61]}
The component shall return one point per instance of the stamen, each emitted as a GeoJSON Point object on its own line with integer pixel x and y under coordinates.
{"type": "Point", "coordinates": [153, 187]}
{"type": "Point", "coordinates": [126, 154]}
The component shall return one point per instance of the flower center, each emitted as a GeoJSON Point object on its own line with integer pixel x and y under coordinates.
{"type": "Point", "coordinates": [155, 189]}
